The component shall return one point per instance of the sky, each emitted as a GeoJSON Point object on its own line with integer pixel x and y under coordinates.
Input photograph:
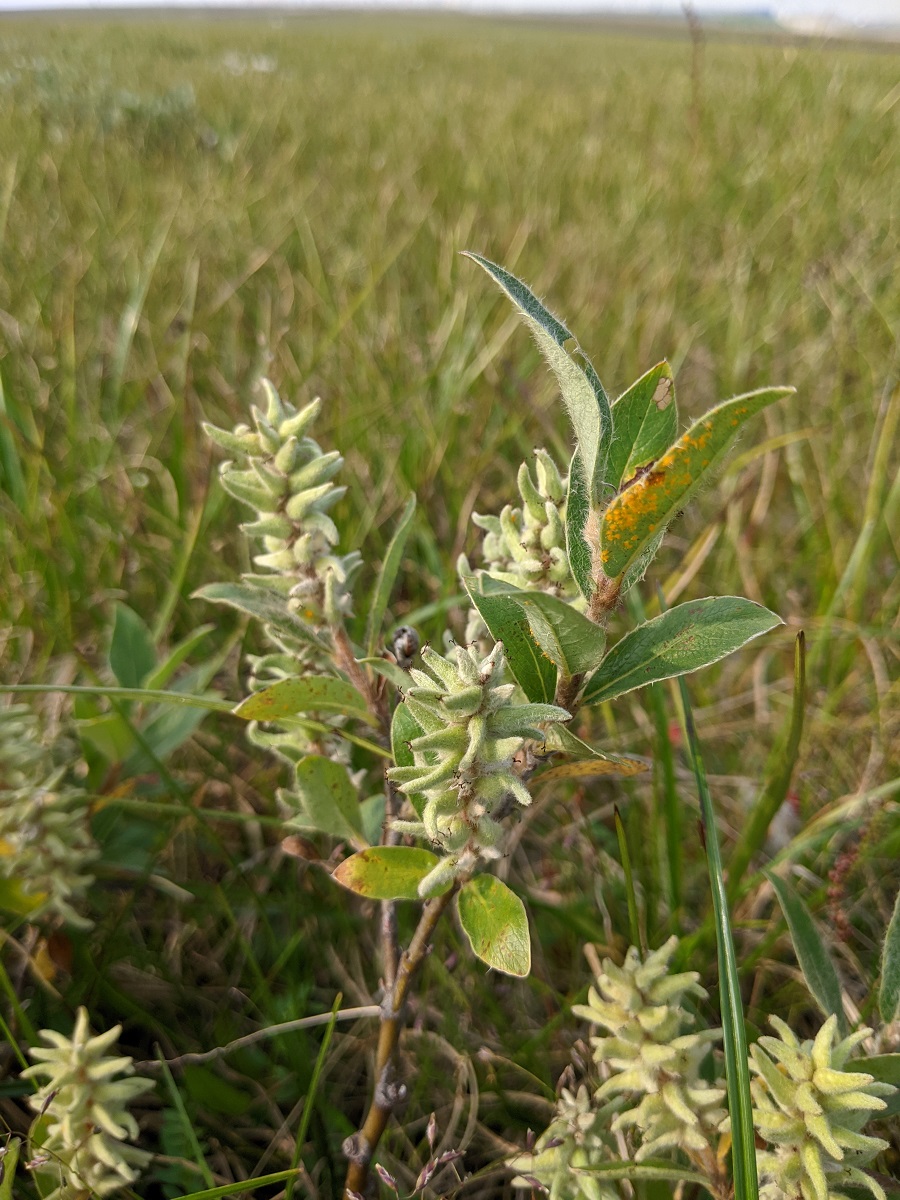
{"type": "Point", "coordinates": [853, 12]}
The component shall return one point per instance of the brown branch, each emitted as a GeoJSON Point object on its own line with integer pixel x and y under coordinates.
{"type": "Point", "coordinates": [389, 1092]}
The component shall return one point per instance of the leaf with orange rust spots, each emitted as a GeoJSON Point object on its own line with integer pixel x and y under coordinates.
{"type": "Point", "coordinates": [387, 872]}
{"type": "Point", "coordinates": [641, 511]}
{"type": "Point", "coordinates": [646, 424]}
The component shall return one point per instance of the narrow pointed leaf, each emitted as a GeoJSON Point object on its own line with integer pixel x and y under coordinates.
{"type": "Point", "coordinates": [494, 920]}
{"type": "Point", "coordinates": [387, 872]}
{"type": "Point", "coordinates": [638, 513]}
{"type": "Point", "coordinates": [683, 639]}
{"type": "Point", "coordinates": [330, 803]}
{"type": "Point", "coordinates": [566, 636]}
{"type": "Point", "coordinates": [649, 1169]}
{"type": "Point", "coordinates": [308, 694]}
{"type": "Point", "coordinates": [585, 400]}
{"type": "Point", "coordinates": [265, 604]}
{"type": "Point", "coordinates": [889, 992]}
{"type": "Point", "coordinates": [532, 669]}
{"type": "Point", "coordinates": [387, 576]}
{"type": "Point", "coordinates": [561, 738]}
{"type": "Point", "coordinates": [161, 674]}
{"type": "Point", "coordinates": [812, 954]}
{"type": "Point", "coordinates": [646, 420]}
{"type": "Point", "coordinates": [578, 513]}
{"type": "Point", "coordinates": [734, 1034]}
{"type": "Point", "coordinates": [132, 654]}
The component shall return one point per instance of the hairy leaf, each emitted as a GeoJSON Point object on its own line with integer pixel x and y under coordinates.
{"type": "Point", "coordinates": [683, 639]}
{"type": "Point", "coordinates": [578, 511]}
{"type": "Point", "coordinates": [494, 920]}
{"type": "Point", "coordinates": [308, 694]}
{"type": "Point", "coordinates": [265, 604]}
{"type": "Point", "coordinates": [566, 636]}
{"type": "Point", "coordinates": [646, 420]}
{"type": "Point", "coordinates": [582, 392]}
{"type": "Point", "coordinates": [387, 872]}
{"type": "Point", "coordinates": [639, 512]}
{"type": "Point", "coordinates": [329, 800]}
{"type": "Point", "coordinates": [507, 622]}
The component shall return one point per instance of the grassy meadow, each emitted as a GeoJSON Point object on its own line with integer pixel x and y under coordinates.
{"type": "Point", "coordinates": [188, 203]}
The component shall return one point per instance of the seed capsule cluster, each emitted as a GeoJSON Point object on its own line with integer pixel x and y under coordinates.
{"type": "Point", "coordinates": [85, 1124]}
{"type": "Point", "coordinates": [45, 836]}
{"type": "Point", "coordinates": [526, 544]}
{"type": "Point", "coordinates": [574, 1139]}
{"type": "Point", "coordinates": [810, 1109]}
{"type": "Point", "coordinates": [282, 473]}
{"type": "Point", "coordinates": [286, 477]}
{"type": "Point", "coordinates": [463, 759]}
{"type": "Point", "coordinates": [641, 1006]}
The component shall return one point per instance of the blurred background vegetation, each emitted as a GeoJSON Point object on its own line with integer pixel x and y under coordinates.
{"type": "Point", "coordinates": [186, 204]}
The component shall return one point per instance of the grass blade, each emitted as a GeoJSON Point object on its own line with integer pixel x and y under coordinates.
{"type": "Point", "coordinates": [778, 780]}
{"type": "Point", "coordinates": [634, 931]}
{"type": "Point", "coordinates": [812, 953]}
{"type": "Point", "coordinates": [889, 992]}
{"type": "Point", "coordinates": [737, 1072]}
{"type": "Point", "coordinates": [387, 575]}
{"type": "Point", "coordinates": [245, 1185]}
{"type": "Point", "coordinates": [311, 1094]}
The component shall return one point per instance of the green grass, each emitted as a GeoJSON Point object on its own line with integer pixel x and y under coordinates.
{"type": "Point", "coordinates": [187, 204]}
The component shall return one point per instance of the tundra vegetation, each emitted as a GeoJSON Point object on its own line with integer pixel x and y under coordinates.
{"type": "Point", "coordinates": [602, 931]}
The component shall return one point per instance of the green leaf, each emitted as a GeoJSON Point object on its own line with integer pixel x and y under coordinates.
{"type": "Point", "coordinates": [494, 920]}
{"type": "Point", "coordinates": [889, 992]}
{"type": "Point", "coordinates": [132, 654]}
{"type": "Point", "coordinates": [578, 512]}
{"type": "Point", "coordinates": [387, 575]}
{"type": "Point", "coordinates": [812, 954]}
{"type": "Point", "coordinates": [561, 737]}
{"type": "Point", "coordinates": [566, 636]}
{"type": "Point", "coordinates": [245, 1185]}
{"type": "Point", "coordinates": [585, 400]}
{"type": "Point", "coordinates": [641, 511]}
{"type": "Point", "coordinates": [685, 638]}
{"type": "Point", "coordinates": [531, 668]}
{"type": "Point", "coordinates": [886, 1069]}
{"type": "Point", "coordinates": [387, 872]}
{"type": "Point", "coordinates": [329, 800]}
{"type": "Point", "coordinates": [405, 727]}
{"type": "Point", "coordinates": [649, 1169]}
{"type": "Point", "coordinates": [265, 604]}
{"type": "Point", "coordinates": [161, 674]}
{"type": "Point", "coordinates": [10, 1159]}
{"type": "Point", "coordinates": [734, 1034]}
{"type": "Point", "coordinates": [391, 671]}
{"type": "Point", "coordinates": [307, 694]}
{"type": "Point", "coordinates": [646, 421]}
{"type": "Point", "coordinates": [110, 735]}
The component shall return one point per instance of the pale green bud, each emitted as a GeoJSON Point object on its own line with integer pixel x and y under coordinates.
{"type": "Point", "coordinates": [84, 1097]}
{"type": "Point", "coordinates": [811, 1111]}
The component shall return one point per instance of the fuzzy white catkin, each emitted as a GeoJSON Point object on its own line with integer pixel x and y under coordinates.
{"type": "Point", "coordinates": [83, 1133]}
